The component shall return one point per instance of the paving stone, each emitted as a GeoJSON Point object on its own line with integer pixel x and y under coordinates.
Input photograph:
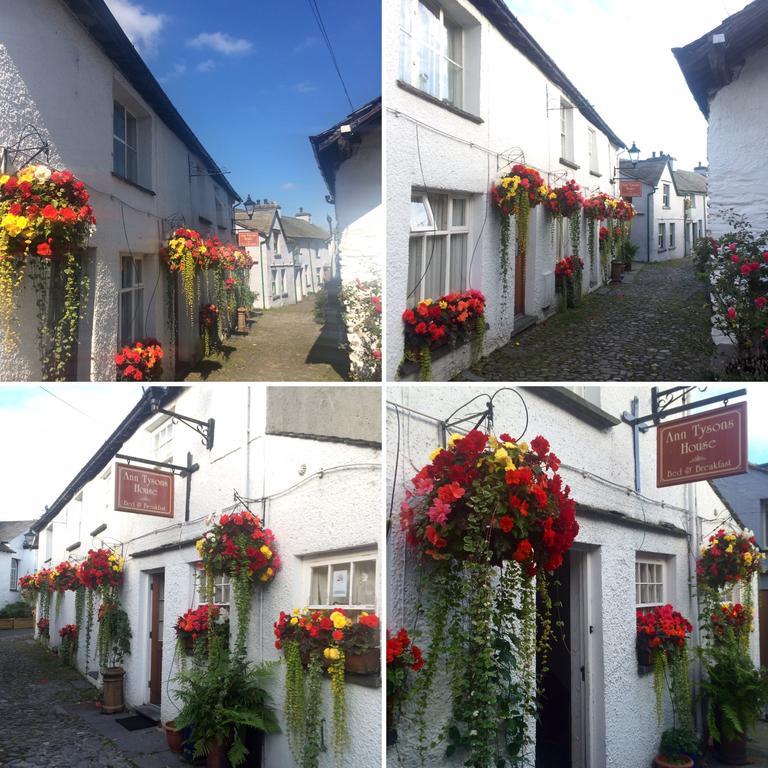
{"type": "Point", "coordinates": [655, 329]}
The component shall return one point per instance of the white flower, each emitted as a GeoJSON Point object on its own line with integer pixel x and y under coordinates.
{"type": "Point", "coordinates": [42, 173]}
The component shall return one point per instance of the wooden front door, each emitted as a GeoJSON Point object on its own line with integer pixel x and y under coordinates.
{"type": "Point", "coordinates": [157, 589]}
{"type": "Point", "coordinates": [763, 618]}
{"type": "Point", "coordinates": [519, 281]}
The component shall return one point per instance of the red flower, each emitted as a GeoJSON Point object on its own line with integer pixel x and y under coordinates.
{"type": "Point", "coordinates": [506, 523]}
{"type": "Point", "coordinates": [44, 250]}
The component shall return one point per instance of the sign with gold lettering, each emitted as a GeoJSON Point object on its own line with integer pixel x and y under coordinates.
{"type": "Point", "coordinates": [146, 491]}
{"type": "Point", "coordinates": [712, 444]}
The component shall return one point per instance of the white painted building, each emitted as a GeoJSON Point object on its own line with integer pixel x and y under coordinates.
{"type": "Point", "coordinates": [658, 230]}
{"type": "Point", "coordinates": [105, 117]}
{"type": "Point", "coordinates": [308, 244]}
{"type": "Point", "coordinates": [693, 185]}
{"type": "Point", "coordinates": [16, 558]}
{"type": "Point", "coordinates": [606, 716]}
{"type": "Point", "coordinates": [469, 94]}
{"type": "Point", "coordinates": [310, 455]}
{"type": "Point", "coordinates": [726, 70]}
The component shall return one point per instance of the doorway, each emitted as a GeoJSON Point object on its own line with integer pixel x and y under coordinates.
{"type": "Point", "coordinates": [157, 605]}
{"type": "Point", "coordinates": [562, 727]}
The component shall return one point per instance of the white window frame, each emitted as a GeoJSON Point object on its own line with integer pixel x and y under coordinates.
{"type": "Point", "coordinates": [566, 130]}
{"type": "Point", "coordinates": [662, 236]}
{"type": "Point", "coordinates": [348, 556]}
{"type": "Point", "coordinates": [665, 195]}
{"type": "Point", "coordinates": [162, 436]}
{"type": "Point", "coordinates": [15, 565]}
{"type": "Point", "coordinates": [427, 234]}
{"type": "Point", "coordinates": [137, 325]}
{"type": "Point", "coordinates": [222, 582]}
{"type": "Point", "coordinates": [594, 158]}
{"type": "Point", "coordinates": [127, 115]}
{"type": "Point", "coordinates": [671, 235]}
{"type": "Point", "coordinates": [409, 60]}
{"type": "Point", "coordinates": [764, 524]}
{"type": "Point", "coordinates": [656, 562]}
{"type": "Point", "coordinates": [693, 200]}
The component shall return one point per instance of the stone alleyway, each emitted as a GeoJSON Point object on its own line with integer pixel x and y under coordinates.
{"type": "Point", "coordinates": [654, 328]}
{"type": "Point", "coordinates": [48, 718]}
{"type": "Point", "coordinates": [291, 343]}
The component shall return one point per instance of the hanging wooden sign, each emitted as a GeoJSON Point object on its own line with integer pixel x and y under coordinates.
{"type": "Point", "coordinates": [245, 239]}
{"type": "Point", "coordinates": [145, 491]}
{"type": "Point", "coordinates": [712, 444]}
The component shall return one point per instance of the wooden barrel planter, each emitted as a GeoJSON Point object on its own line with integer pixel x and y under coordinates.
{"type": "Point", "coordinates": [113, 690]}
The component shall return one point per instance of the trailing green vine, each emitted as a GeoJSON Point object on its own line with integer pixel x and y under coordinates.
{"type": "Point", "coordinates": [313, 722]}
{"type": "Point", "coordinates": [79, 612]}
{"type": "Point", "coordinates": [295, 701]}
{"type": "Point", "coordinates": [339, 698]}
{"type": "Point", "coordinates": [89, 610]}
{"type": "Point", "coordinates": [241, 589]}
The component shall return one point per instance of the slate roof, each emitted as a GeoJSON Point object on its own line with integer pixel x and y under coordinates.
{"type": "Point", "coordinates": [709, 66]}
{"type": "Point", "coordinates": [5, 549]}
{"type": "Point", "coordinates": [296, 228]}
{"type": "Point", "coordinates": [648, 171]}
{"type": "Point", "coordinates": [497, 12]}
{"type": "Point", "coordinates": [261, 221]}
{"type": "Point", "coordinates": [10, 529]}
{"type": "Point", "coordinates": [102, 26]}
{"type": "Point", "coordinates": [688, 181]}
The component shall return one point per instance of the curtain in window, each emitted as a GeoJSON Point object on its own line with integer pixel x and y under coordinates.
{"type": "Point", "coordinates": [458, 281]}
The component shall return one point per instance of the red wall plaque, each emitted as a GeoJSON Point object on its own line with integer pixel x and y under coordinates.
{"type": "Point", "coordinates": [146, 491]}
{"type": "Point", "coordinates": [245, 239]}
{"type": "Point", "coordinates": [712, 444]}
{"type": "Point", "coordinates": [631, 188]}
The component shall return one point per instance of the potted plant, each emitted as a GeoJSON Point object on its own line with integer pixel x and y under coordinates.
{"type": "Point", "coordinates": [676, 748]}
{"type": "Point", "coordinates": [193, 626]}
{"type": "Point", "coordinates": [222, 697]}
{"type": "Point", "coordinates": [174, 736]}
{"type": "Point", "coordinates": [737, 693]}
{"type": "Point", "coordinates": [113, 644]}
{"type": "Point", "coordinates": [628, 253]}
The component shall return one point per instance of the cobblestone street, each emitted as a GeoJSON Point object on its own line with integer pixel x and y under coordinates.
{"type": "Point", "coordinates": [654, 328]}
{"type": "Point", "coordinates": [45, 710]}
{"type": "Point", "coordinates": [290, 343]}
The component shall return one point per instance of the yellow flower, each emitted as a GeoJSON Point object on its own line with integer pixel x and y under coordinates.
{"type": "Point", "coordinates": [443, 304]}
{"type": "Point", "coordinates": [4, 178]}
{"type": "Point", "coordinates": [427, 302]}
{"type": "Point", "coordinates": [14, 225]}
{"type": "Point", "coordinates": [332, 653]}
{"type": "Point", "coordinates": [454, 438]}
{"type": "Point", "coordinates": [748, 558]}
{"type": "Point", "coordinates": [434, 454]}
{"type": "Point", "coordinates": [510, 464]}
{"type": "Point", "coordinates": [730, 537]}
{"type": "Point", "coordinates": [523, 447]}
{"type": "Point", "coordinates": [266, 551]}
{"type": "Point", "coordinates": [729, 549]}
{"type": "Point", "coordinates": [295, 611]}
{"type": "Point", "coordinates": [339, 620]}
{"type": "Point", "coordinates": [294, 620]}
{"type": "Point", "coordinates": [501, 454]}
{"type": "Point", "coordinates": [199, 546]}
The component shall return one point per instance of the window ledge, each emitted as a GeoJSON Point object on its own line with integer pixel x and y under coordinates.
{"type": "Point", "coordinates": [438, 103]}
{"type": "Point", "coordinates": [569, 164]}
{"type": "Point", "coordinates": [133, 184]}
{"type": "Point", "coordinates": [595, 173]}
{"type": "Point", "coordinates": [577, 406]}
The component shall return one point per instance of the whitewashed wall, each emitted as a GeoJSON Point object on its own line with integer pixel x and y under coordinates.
{"type": "Point", "coordinates": [27, 557]}
{"type": "Point", "coordinates": [336, 512]}
{"type": "Point", "coordinates": [448, 162]}
{"type": "Point", "coordinates": [624, 729]}
{"type": "Point", "coordinates": [68, 95]}
{"type": "Point", "coordinates": [738, 166]}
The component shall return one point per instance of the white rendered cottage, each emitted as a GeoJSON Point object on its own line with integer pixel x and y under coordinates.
{"type": "Point", "coordinates": [103, 115]}
{"type": "Point", "coordinates": [726, 71]}
{"type": "Point", "coordinates": [17, 558]}
{"type": "Point", "coordinates": [469, 94]}
{"type": "Point", "coordinates": [635, 549]}
{"type": "Point", "coordinates": [309, 457]}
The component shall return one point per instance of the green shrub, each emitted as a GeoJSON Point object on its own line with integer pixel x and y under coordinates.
{"type": "Point", "coordinates": [17, 610]}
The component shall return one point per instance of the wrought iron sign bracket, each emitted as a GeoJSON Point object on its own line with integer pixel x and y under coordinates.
{"type": "Point", "coordinates": [510, 157]}
{"type": "Point", "coordinates": [480, 418]}
{"type": "Point", "coordinates": [661, 400]}
{"type": "Point", "coordinates": [203, 428]}
{"type": "Point", "coordinates": [30, 145]}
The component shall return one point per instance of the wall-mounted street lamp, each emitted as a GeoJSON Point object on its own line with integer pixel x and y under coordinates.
{"type": "Point", "coordinates": [249, 206]}
{"type": "Point", "coordinates": [203, 428]}
{"type": "Point", "coordinates": [634, 154]}
{"type": "Point", "coordinates": [30, 539]}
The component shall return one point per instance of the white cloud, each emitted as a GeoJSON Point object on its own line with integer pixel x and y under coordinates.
{"type": "Point", "coordinates": [620, 58]}
{"type": "Point", "coordinates": [177, 71]}
{"type": "Point", "coordinates": [206, 66]}
{"type": "Point", "coordinates": [304, 87]}
{"type": "Point", "coordinates": [52, 441]}
{"type": "Point", "coordinates": [288, 185]}
{"type": "Point", "coordinates": [221, 43]}
{"type": "Point", "coordinates": [142, 27]}
{"type": "Point", "coordinates": [307, 42]}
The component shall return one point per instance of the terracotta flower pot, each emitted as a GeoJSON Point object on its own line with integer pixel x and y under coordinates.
{"type": "Point", "coordinates": [113, 690]}
{"type": "Point", "coordinates": [661, 762]}
{"type": "Point", "coordinates": [174, 738]}
{"type": "Point", "coordinates": [368, 663]}
{"type": "Point", "coordinates": [217, 755]}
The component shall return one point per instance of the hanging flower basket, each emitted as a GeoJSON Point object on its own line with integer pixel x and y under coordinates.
{"type": "Point", "coordinates": [730, 620]}
{"type": "Point", "coordinates": [727, 559]}
{"type": "Point", "coordinates": [568, 272]}
{"type": "Point", "coordinates": [45, 221]}
{"type": "Point", "coordinates": [209, 329]}
{"type": "Point", "coordinates": [140, 360]}
{"type": "Point", "coordinates": [403, 658]}
{"type": "Point", "coordinates": [448, 321]}
{"type": "Point", "coordinates": [515, 194]}
{"type": "Point", "coordinates": [194, 625]}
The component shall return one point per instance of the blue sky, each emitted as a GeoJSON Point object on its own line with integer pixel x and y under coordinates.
{"type": "Point", "coordinates": [254, 79]}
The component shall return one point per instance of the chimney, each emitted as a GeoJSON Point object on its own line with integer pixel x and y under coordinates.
{"type": "Point", "coordinates": [653, 154]}
{"type": "Point", "coordinates": [702, 170]}
{"type": "Point", "coordinates": [304, 216]}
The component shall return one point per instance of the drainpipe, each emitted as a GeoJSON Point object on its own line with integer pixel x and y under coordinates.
{"type": "Point", "coordinates": [648, 223]}
{"type": "Point", "coordinates": [261, 264]}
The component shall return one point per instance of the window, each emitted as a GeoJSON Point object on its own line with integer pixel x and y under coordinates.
{"type": "Point", "coordinates": [319, 275]}
{"type": "Point", "coordinates": [274, 283]}
{"type": "Point", "coordinates": [764, 522]}
{"type": "Point", "coordinates": [692, 199]}
{"type": "Point", "coordinates": [221, 589]}
{"type": "Point", "coordinates": [566, 130]}
{"type": "Point", "coordinates": [649, 583]}
{"type": "Point", "coordinates": [131, 298]}
{"type": "Point", "coordinates": [700, 228]}
{"type": "Point", "coordinates": [342, 581]}
{"type": "Point", "coordinates": [432, 51]}
{"type": "Point", "coordinates": [437, 256]}
{"type": "Point", "coordinates": [594, 164]}
{"type": "Point", "coordinates": [662, 236]}
{"type": "Point", "coordinates": [15, 562]}
{"type": "Point", "coordinates": [125, 146]}
{"type": "Point", "coordinates": [665, 195]}
{"type": "Point", "coordinates": [162, 438]}
{"type": "Point", "coordinates": [671, 235]}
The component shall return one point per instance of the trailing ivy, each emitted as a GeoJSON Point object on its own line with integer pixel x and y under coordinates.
{"type": "Point", "coordinates": [79, 612]}
{"type": "Point", "coordinates": [241, 588]}
{"type": "Point", "coordinates": [313, 722]}
{"type": "Point", "coordinates": [295, 700]}
{"type": "Point", "coordinates": [11, 275]}
{"type": "Point", "coordinates": [89, 607]}
{"type": "Point", "coordinates": [339, 697]}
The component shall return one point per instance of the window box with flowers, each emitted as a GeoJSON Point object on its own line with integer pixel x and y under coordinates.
{"type": "Point", "coordinates": [443, 324]}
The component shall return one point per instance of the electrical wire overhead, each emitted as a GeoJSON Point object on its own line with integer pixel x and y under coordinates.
{"type": "Point", "coordinates": [321, 26]}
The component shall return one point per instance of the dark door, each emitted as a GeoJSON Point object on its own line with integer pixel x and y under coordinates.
{"type": "Point", "coordinates": [519, 281]}
{"type": "Point", "coordinates": [157, 587]}
{"type": "Point", "coordinates": [763, 610]}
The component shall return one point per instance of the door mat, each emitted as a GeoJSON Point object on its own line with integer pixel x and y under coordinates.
{"type": "Point", "coordinates": [135, 722]}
